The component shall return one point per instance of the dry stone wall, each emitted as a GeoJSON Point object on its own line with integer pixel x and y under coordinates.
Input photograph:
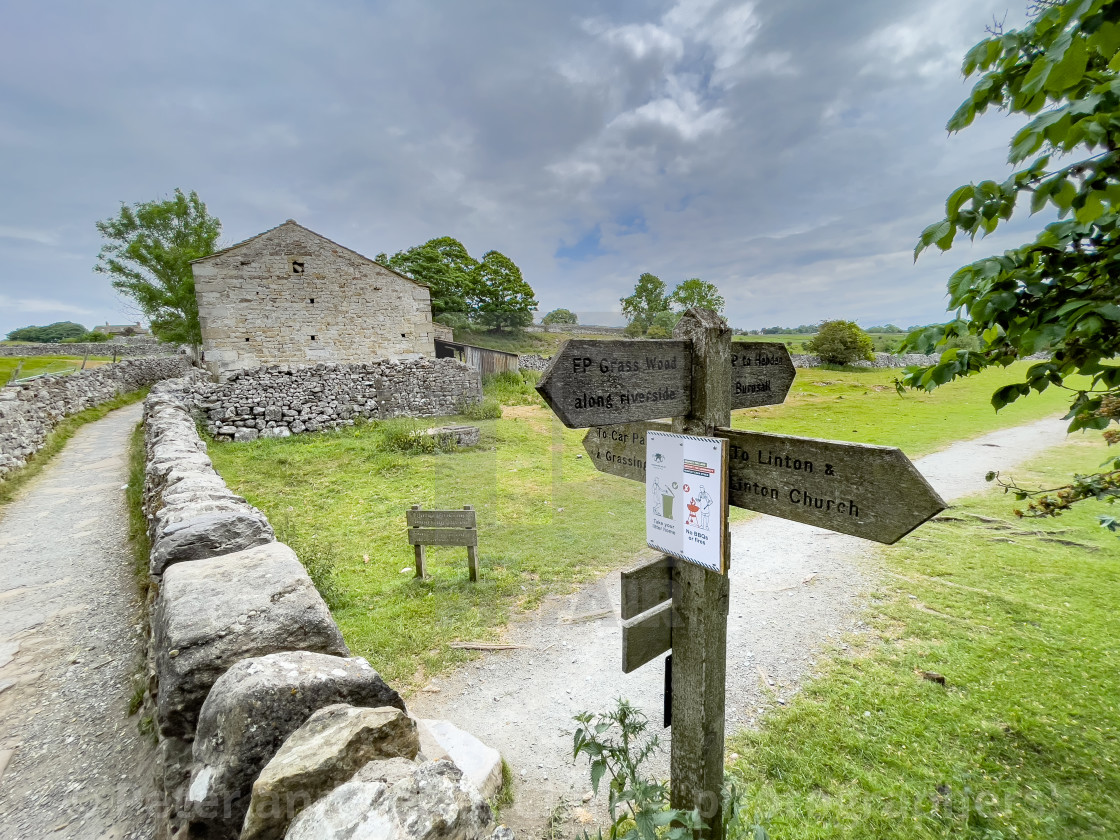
{"type": "Point", "coordinates": [131, 349]}
{"type": "Point", "coordinates": [263, 716]}
{"type": "Point", "coordinates": [28, 412]}
{"type": "Point", "coordinates": [281, 400]}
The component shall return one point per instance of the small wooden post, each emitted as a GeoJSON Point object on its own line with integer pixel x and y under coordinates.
{"type": "Point", "coordinates": [472, 555]}
{"type": "Point", "coordinates": [701, 601]}
{"type": "Point", "coordinates": [421, 571]}
{"type": "Point", "coordinates": [84, 360]}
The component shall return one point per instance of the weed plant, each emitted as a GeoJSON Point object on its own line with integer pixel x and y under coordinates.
{"type": "Point", "coordinates": [617, 744]}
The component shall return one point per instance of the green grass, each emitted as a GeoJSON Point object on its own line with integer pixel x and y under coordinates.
{"type": "Point", "coordinates": [863, 406]}
{"type": "Point", "coordinates": [35, 365]}
{"type": "Point", "coordinates": [65, 430]}
{"type": "Point", "coordinates": [1020, 618]}
{"type": "Point", "coordinates": [547, 519]}
{"type": "Point", "coordinates": [134, 496]}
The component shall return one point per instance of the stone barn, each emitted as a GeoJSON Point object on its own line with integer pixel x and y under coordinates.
{"type": "Point", "coordinates": [291, 296]}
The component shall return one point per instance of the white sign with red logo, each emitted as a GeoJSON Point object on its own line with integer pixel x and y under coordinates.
{"type": "Point", "coordinates": [686, 486]}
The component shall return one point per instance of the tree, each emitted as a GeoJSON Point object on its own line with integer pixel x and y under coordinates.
{"type": "Point", "coordinates": [148, 251]}
{"type": "Point", "coordinates": [662, 324]}
{"type": "Point", "coordinates": [444, 266]}
{"type": "Point", "coordinates": [696, 292]}
{"type": "Point", "coordinates": [648, 299]}
{"type": "Point", "coordinates": [50, 334]}
{"type": "Point", "coordinates": [841, 343]}
{"type": "Point", "coordinates": [499, 296]}
{"type": "Point", "coordinates": [560, 316]}
{"type": "Point", "coordinates": [1059, 294]}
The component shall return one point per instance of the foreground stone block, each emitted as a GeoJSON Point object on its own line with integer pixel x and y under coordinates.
{"type": "Point", "coordinates": [434, 802]}
{"type": "Point", "coordinates": [213, 613]}
{"type": "Point", "coordinates": [328, 750]}
{"type": "Point", "coordinates": [209, 534]}
{"type": "Point", "coordinates": [481, 764]}
{"type": "Point", "coordinates": [251, 711]}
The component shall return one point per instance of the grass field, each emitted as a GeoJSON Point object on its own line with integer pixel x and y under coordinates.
{"type": "Point", "coordinates": [1022, 741]}
{"type": "Point", "coordinates": [863, 406]}
{"type": "Point", "coordinates": [547, 519]}
{"type": "Point", "coordinates": [36, 365]}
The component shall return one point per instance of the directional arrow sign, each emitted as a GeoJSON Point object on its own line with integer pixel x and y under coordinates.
{"type": "Point", "coordinates": [761, 373]}
{"type": "Point", "coordinates": [598, 383]}
{"type": "Point", "coordinates": [872, 492]}
{"type": "Point", "coordinates": [621, 449]}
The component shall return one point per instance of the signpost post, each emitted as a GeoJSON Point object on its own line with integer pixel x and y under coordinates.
{"type": "Point", "coordinates": [619, 389]}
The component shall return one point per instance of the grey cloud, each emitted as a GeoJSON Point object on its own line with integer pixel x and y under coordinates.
{"type": "Point", "coordinates": [774, 148]}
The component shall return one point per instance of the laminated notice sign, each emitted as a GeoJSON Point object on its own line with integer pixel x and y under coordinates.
{"type": "Point", "coordinates": [686, 501]}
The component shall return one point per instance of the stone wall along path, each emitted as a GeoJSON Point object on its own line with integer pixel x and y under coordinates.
{"type": "Point", "coordinates": [69, 618]}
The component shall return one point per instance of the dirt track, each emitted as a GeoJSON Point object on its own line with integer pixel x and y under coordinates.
{"type": "Point", "coordinates": [72, 763]}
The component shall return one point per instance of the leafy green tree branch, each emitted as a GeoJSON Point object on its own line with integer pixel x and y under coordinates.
{"type": "Point", "coordinates": [1060, 294]}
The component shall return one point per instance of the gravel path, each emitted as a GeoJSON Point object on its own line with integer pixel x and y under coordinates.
{"type": "Point", "coordinates": [795, 591]}
{"type": "Point", "coordinates": [72, 763]}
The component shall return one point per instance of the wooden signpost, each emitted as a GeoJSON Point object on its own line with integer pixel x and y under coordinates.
{"type": "Point", "coordinates": [619, 389]}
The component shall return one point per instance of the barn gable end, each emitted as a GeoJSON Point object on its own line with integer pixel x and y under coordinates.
{"type": "Point", "coordinates": [291, 296]}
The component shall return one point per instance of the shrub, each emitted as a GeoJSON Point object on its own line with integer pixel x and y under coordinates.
{"type": "Point", "coordinates": [841, 343]}
{"type": "Point", "coordinates": [488, 409]}
{"type": "Point", "coordinates": [560, 316]}
{"type": "Point", "coordinates": [403, 436]}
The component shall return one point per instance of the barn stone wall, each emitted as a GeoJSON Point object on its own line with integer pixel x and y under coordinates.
{"type": "Point", "coordinates": [290, 296]}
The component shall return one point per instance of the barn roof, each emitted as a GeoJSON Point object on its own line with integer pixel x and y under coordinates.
{"type": "Point", "coordinates": [294, 223]}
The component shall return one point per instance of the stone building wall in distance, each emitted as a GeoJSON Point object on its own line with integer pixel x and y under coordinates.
{"type": "Point", "coordinates": [291, 296]}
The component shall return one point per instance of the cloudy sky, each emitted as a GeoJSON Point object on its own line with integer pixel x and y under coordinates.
{"type": "Point", "coordinates": [789, 151]}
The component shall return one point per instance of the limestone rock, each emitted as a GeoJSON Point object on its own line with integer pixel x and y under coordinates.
{"type": "Point", "coordinates": [331, 747]}
{"type": "Point", "coordinates": [434, 802]}
{"type": "Point", "coordinates": [208, 535]}
{"type": "Point", "coordinates": [481, 764]}
{"type": "Point", "coordinates": [212, 613]}
{"type": "Point", "coordinates": [251, 710]}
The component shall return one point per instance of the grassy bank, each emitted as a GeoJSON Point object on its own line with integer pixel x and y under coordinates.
{"type": "Point", "coordinates": [57, 439]}
{"type": "Point", "coordinates": [1021, 741]}
{"type": "Point", "coordinates": [547, 519]}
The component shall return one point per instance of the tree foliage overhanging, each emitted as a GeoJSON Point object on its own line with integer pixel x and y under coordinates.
{"type": "Point", "coordinates": [491, 292]}
{"type": "Point", "coordinates": [148, 251]}
{"type": "Point", "coordinates": [1060, 294]}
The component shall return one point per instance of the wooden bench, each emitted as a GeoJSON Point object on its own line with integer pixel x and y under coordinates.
{"type": "Point", "coordinates": [443, 527]}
